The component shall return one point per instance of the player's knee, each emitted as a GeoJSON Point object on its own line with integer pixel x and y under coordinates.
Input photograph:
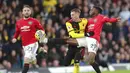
{"type": "Point", "coordinates": [26, 60]}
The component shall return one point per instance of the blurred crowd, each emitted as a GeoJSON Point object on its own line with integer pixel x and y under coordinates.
{"type": "Point", "coordinates": [115, 38]}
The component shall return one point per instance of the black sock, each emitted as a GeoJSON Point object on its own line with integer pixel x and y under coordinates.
{"type": "Point", "coordinates": [56, 41]}
{"type": "Point", "coordinates": [96, 67]}
{"type": "Point", "coordinates": [77, 57]}
{"type": "Point", "coordinates": [26, 68]}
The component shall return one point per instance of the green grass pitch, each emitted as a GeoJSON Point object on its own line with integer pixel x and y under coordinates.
{"type": "Point", "coordinates": [118, 71]}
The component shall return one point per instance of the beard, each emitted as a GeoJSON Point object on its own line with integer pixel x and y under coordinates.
{"type": "Point", "coordinates": [27, 16]}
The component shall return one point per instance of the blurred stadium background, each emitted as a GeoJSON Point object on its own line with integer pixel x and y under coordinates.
{"type": "Point", "coordinates": [115, 39]}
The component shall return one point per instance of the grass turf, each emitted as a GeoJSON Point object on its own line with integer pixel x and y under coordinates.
{"type": "Point", "coordinates": [118, 71]}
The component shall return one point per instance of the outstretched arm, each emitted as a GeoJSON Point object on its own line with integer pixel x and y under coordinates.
{"type": "Point", "coordinates": [111, 20]}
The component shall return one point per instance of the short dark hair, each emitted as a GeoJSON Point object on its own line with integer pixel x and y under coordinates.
{"type": "Point", "coordinates": [98, 8]}
{"type": "Point", "coordinates": [76, 10]}
{"type": "Point", "coordinates": [26, 6]}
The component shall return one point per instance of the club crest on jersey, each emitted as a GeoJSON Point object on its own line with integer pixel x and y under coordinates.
{"type": "Point", "coordinates": [95, 20]}
{"type": "Point", "coordinates": [30, 22]}
{"type": "Point", "coordinates": [69, 27]}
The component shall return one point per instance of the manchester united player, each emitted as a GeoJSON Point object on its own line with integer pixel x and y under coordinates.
{"type": "Point", "coordinates": [94, 29]}
{"type": "Point", "coordinates": [26, 28]}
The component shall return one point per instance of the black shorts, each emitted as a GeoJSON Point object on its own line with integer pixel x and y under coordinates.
{"type": "Point", "coordinates": [72, 53]}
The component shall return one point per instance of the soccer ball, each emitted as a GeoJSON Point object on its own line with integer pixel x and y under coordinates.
{"type": "Point", "coordinates": [40, 35]}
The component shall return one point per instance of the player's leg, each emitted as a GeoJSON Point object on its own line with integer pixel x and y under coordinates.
{"type": "Point", "coordinates": [79, 54]}
{"type": "Point", "coordinates": [30, 55]}
{"type": "Point", "coordinates": [26, 65]}
{"type": "Point", "coordinates": [77, 59]}
{"type": "Point", "coordinates": [92, 49]}
{"type": "Point", "coordinates": [73, 54]}
{"type": "Point", "coordinates": [70, 41]}
{"type": "Point", "coordinates": [70, 55]}
{"type": "Point", "coordinates": [55, 41]}
{"type": "Point", "coordinates": [34, 50]}
{"type": "Point", "coordinates": [92, 62]}
{"type": "Point", "coordinates": [104, 64]}
{"type": "Point", "coordinates": [26, 59]}
{"type": "Point", "coordinates": [76, 42]}
{"type": "Point", "coordinates": [80, 42]}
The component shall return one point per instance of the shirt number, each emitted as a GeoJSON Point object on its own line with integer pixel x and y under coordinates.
{"type": "Point", "coordinates": [94, 47]}
{"type": "Point", "coordinates": [29, 48]}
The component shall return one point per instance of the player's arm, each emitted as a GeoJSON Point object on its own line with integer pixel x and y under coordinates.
{"type": "Point", "coordinates": [111, 20]}
{"type": "Point", "coordinates": [38, 25]}
{"type": "Point", "coordinates": [17, 32]}
{"type": "Point", "coordinates": [71, 31]}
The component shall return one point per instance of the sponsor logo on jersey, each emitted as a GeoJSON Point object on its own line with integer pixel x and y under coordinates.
{"type": "Point", "coordinates": [25, 28]}
{"type": "Point", "coordinates": [69, 27]}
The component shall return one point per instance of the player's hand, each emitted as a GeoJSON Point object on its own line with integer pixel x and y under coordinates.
{"type": "Point", "coordinates": [14, 40]}
{"type": "Point", "coordinates": [118, 19]}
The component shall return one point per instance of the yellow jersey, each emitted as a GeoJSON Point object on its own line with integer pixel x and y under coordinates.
{"type": "Point", "coordinates": [76, 29]}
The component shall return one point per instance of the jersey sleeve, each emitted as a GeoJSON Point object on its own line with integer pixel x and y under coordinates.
{"type": "Point", "coordinates": [107, 19]}
{"type": "Point", "coordinates": [38, 25]}
{"type": "Point", "coordinates": [71, 31]}
{"type": "Point", "coordinates": [17, 31]}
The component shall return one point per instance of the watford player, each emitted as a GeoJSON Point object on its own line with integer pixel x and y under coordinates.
{"type": "Point", "coordinates": [26, 28]}
{"type": "Point", "coordinates": [76, 29]}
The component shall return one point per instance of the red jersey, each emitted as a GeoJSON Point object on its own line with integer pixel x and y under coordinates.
{"type": "Point", "coordinates": [26, 28]}
{"type": "Point", "coordinates": [95, 24]}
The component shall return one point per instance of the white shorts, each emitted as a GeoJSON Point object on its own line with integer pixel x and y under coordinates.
{"type": "Point", "coordinates": [89, 43]}
{"type": "Point", "coordinates": [30, 51]}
